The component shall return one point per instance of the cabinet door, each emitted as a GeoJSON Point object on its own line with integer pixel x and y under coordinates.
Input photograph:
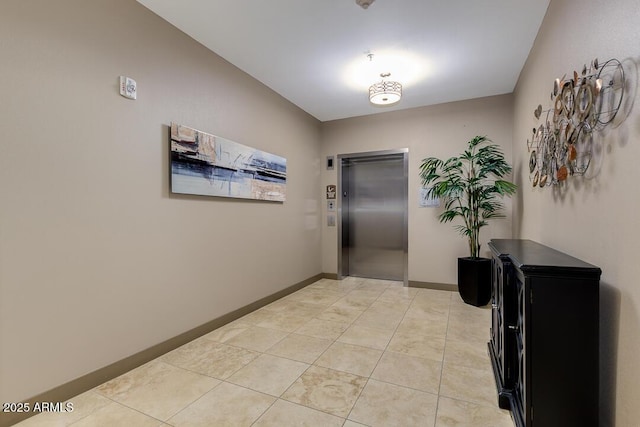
{"type": "Point", "coordinates": [520, 374]}
{"type": "Point", "coordinates": [499, 348]}
{"type": "Point", "coordinates": [509, 321]}
{"type": "Point", "coordinates": [497, 326]}
{"type": "Point", "coordinates": [563, 350]}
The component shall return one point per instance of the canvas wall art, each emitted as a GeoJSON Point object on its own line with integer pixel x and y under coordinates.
{"type": "Point", "coordinates": [208, 165]}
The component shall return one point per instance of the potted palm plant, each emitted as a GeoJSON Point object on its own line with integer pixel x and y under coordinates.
{"type": "Point", "coordinates": [471, 186]}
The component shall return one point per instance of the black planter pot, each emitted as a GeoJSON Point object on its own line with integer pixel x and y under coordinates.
{"type": "Point", "coordinates": [474, 280]}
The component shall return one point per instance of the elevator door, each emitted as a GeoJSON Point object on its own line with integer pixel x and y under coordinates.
{"type": "Point", "coordinates": [374, 212]}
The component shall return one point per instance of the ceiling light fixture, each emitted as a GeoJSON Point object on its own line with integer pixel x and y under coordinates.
{"type": "Point", "coordinates": [385, 93]}
{"type": "Point", "coordinates": [364, 3]}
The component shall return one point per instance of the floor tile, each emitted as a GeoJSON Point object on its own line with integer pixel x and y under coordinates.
{"type": "Point", "coordinates": [324, 329]}
{"type": "Point", "coordinates": [284, 322]}
{"type": "Point", "coordinates": [257, 338]}
{"type": "Point", "coordinates": [287, 414]}
{"type": "Point", "coordinates": [367, 291]}
{"type": "Point", "coordinates": [257, 316]}
{"type": "Point", "coordinates": [380, 284]}
{"type": "Point", "coordinates": [281, 305]}
{"type": "Point", "coordinates": [457, 413]}
{"type": "Point", "coordinates": [469, 384]}
{"type": "Point", "coordinates": [465, 353]}
{"type": "Point", "coordinates": [341, 286]}
{"type": "Point", "coordinates": [207, 357]}
{"type": "Point", "coordinates": [356, 301]}
{"type": "Point", "coordinates": [117, 415]}
{"type": "Point", "coordinates": [269, 374]}
{"type": "Point", "coordinates": [298, 308]}
{"type": "Point", "coordinates": [428, 312]}
{"type": "Point", "coordinates": [381, 306]}
{"type": "Point", "coordinates": [380, 318]}
{"type": "Point", "coordinates": [327, 390]}
{"type": "Point", "coordinates": [225, 405]}
{"type": "Point", "coordinates": [382, 404]}
{"type": "Point", "coordinates": [469, 312]}
{"type": "Point", "coordinates": [428, 347]}
{"type": "Point", "coordinates": [340, 314]}
{"type": "Point", "coordinates": [353, 280]}
{"type": "Point", "coordinates": [430, 327]}
{"type": "Point", "coordinates": [433, 296]}
{"type": "Point", "coordinates": [350, 358]}
{"type": "Point", "coordinates": [83, 405]}
{"type": "Point", "coordinates": [476, 317]}
{"type": "Point", "coordinates": [353, 352]}
{"type": "Point", "coordinates": [413, 372]}
{"type": "Point", "coordinates": [395, 302]}
{"type": "Point", "coordinates": [300, 347]}
{"type": "Point", "coordinates": [157, 389]}
{"type": "Point", "coordinates": [324, 283]}
{"type": "Point", "coordinates": [228, 331]}
{"type": "Point", "coordinates": [366, 337]}
{"type": "Point", "coordinates": [456, 299]}
{"type": "Point", "coordinates": [473, 332]}
{"type": "Point", "coordinates": [398, 293]}
{"type": "Point", "coordinates": [317, 296]}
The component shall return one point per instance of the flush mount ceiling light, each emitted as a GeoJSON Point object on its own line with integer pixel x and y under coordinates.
{"type": "Point", "coordinates": [385, 93]}
{"type": "Point", "coordinates": [364, 3]}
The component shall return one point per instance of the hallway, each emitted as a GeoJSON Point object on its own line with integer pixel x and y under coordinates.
{"type": "Point", "coordinates": [336, 353]}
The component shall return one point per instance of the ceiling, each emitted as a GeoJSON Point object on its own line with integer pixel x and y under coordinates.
{"type": "Point", "coordinates": [314, 52]}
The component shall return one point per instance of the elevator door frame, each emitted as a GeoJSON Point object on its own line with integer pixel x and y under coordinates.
{"type": "Point", "coordinates": [342, 159]}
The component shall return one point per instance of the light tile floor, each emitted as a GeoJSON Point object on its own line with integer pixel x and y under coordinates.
{"type": "Point", "coordinates": [356, 352]}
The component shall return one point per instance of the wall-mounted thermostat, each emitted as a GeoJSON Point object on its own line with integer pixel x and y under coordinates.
{"type": "Point", "coordinates": [128, 87]}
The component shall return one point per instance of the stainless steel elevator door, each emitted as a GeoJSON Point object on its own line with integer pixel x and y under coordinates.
{"type": "Point", "coordinates": [374, 217]}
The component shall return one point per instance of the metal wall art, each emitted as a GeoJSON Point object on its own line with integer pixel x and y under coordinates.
{"type": "Point", "coordinates": [583, 104]}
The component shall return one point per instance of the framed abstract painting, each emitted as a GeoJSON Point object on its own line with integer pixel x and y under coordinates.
{"type": "Point", "coordinates": [208, 165]}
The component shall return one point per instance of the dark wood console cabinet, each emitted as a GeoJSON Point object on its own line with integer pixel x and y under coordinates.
{"type": "Point", "coordinates": [544, 334]}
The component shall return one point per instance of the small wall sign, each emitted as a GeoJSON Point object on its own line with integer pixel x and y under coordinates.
{"type": "Point", "coordinates": [427, 202]}
{"type": "Point", "coordinates": [331, 191]}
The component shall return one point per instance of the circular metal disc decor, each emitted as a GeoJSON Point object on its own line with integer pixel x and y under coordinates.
{"type": "Point", "coordinates": [611, 76]}
{"type": "Point", "coordinates": [583, 103]}
{"type": "Point", "coordinates": [532, 161]}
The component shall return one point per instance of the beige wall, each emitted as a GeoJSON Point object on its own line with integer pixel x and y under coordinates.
{"type": "Point", "coordinates": [592, 218]}
{"type": "Point", "coordinates": [97, 260]}
{"type": "Point", "coordinates": [441, 131]}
